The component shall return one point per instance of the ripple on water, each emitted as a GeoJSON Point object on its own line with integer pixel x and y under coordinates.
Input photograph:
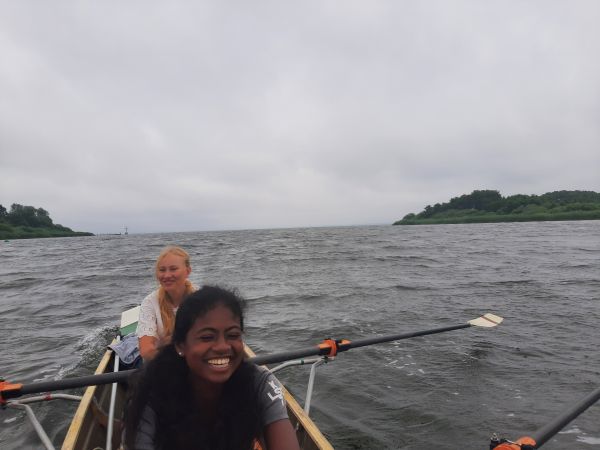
{"type": "Point", "coordinates": [307, 284]}
{"type": "Point", "coordinates": [591, 440]}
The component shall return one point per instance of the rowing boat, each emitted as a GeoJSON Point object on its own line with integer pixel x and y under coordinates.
{"type": "Point", "coordinates": [92, 423]}
{"type": "Point", "coordinates": [97, 416]}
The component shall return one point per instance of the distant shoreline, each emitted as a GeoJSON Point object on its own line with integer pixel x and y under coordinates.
{"type": "Point", "coordinates": [488, 206]}
{"type": "Point", "coordinates": [37, 233]}
{"type": "Point", "coordinates": [498, 219]}
{"type": "Point", "coordinates": [28, 222]}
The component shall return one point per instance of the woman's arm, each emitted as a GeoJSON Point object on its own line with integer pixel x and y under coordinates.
{"type": "Point", "coordinates": [148, 347]}
{"type": "Point", "coordinates": [147, 327]}
{"type": "Point", "coordinates": [144, 434]}
{"type": "Point", "coordinates": [280, 435]}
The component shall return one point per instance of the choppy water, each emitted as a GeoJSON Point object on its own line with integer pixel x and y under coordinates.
{"type": "Point", "coordinates": [60, 301]}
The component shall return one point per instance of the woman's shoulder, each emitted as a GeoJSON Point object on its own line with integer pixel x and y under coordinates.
{"type": "Point", "coordinates": [258, 371]}
{"type": "Point", "coordinates": [252, 376]}
{"type": "Point", "coordinates": [266, 382]}
{"type": "Point", "coordinates": [271, 398]}
{"type": "Point", "coordinates": [149, 309]}
{"type": "Point", "coordinates": [152, 297]}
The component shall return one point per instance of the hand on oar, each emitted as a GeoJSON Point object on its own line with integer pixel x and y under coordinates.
{"type": "Point", "coordinates": [329, 347]}
{"type": "Point", "coordinates": [545, 433]}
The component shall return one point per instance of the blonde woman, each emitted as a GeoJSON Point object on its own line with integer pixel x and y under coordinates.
{"type": "Point", "coordinates": [157, 312]}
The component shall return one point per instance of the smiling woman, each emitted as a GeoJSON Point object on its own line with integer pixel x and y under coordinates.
{"type": "Point", "coordinates": [157, 312]}
{"type": "Point", "coordinates": [198, 392]}
{"type": "Point", "coordinates": [213, 348]}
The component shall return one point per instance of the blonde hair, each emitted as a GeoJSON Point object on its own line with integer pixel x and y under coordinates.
{"type": "Point", "coordinates": [164, 299]}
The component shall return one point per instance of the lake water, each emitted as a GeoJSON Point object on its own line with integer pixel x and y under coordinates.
{"type": "Point", "coordinates": [61, 301]}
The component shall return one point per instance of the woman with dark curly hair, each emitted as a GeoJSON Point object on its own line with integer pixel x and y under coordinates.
{"type": "Point", "coordinates": [199, 393]}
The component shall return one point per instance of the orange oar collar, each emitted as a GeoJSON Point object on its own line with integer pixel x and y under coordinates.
{"type": "Point", "coordinates": [524, 443]}
{"type": "Point", "coordinates": [332, 345]}
{"type": "Point", "coordinates": [6, 387]}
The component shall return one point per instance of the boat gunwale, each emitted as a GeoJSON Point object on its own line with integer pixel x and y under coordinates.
{"type": "Point", "coordinates": [83, 409]}
{"type": "Point", "coordinates": [310, 429]}
{"type": "Point", "coordinates": [307, 424]}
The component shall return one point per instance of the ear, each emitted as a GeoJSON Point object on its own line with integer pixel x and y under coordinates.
{"type": "Point", "coordinates": [179, 350]}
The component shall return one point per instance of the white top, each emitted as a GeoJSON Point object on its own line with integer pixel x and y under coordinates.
{"type": "Point", "coordinates": [150, 321]}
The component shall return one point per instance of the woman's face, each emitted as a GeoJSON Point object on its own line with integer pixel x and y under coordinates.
{"type": "Point", "coordinates": [214, 348]}
{"type": "Point", "coordinates": [172, 272]}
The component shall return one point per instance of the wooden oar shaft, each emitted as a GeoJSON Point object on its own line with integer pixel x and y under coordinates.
{"type": "Point", "coordinates": [397, 337]}
{"type": "Point", "coordinates": [107, 378]}
{"type": "Point", "coordinates": [69, 383]}
{"type": "Point", "coordinates": [545, 433]}
{"type": "Point", "coordinates": [315, 350]}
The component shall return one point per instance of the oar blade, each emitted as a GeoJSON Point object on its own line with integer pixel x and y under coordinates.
{"type": "Point", "coordinates": [486, 321]}
{"type": "Point", "coordinates": [129, 320]}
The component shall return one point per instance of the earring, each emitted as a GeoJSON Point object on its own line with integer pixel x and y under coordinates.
{"type": "Point", "coordinates": [180, 353]}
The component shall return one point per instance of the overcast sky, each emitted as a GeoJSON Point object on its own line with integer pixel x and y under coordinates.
{"type": "Point", "coordinates": [185, 116]}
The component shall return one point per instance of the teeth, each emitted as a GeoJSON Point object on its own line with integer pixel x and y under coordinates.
{"type": "Point", "coordinates": [219, 361]}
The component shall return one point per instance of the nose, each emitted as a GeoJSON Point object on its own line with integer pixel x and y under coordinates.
{"type": "Point", "coordinates": [221, 345]}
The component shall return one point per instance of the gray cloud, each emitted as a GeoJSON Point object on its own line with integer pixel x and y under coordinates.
{"type": "Point", "coordinates": [181, 116]}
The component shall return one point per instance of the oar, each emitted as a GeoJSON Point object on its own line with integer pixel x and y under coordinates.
{"type": "Point", "coordinates": [8, 390]}
{"type": "Point", "coordinates": [13, 390]}
{"type": "Point", "coordinates": [329, 347]}
{"type": "Point", "coordinates": [545, 433]}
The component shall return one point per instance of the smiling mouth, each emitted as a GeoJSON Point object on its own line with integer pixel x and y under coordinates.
{"type": "Point", "coordinates": [219, 362]}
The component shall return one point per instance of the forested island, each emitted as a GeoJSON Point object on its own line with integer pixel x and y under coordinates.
{"type": "Point", "coordinates": [489, 206]}
{"type": "Point", "coordinates": [24, 222]}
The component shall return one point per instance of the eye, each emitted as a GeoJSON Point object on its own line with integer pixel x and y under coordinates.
{"type": "Point", "coordinates": [234, 336]}
{"type": "Point", "coordinates": [206, 337]}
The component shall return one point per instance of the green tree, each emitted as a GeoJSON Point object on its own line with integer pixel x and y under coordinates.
{"type": "Point", "coordinates": [484, 200]}
{"type": "Point", "coordinates": [22, 215]}
{"type": "Point", "coordinates": [28, 216]}
{"type": "Point", "coordinates": [43, 217]}
{"type": "Point", "coordinates": [15, 216]}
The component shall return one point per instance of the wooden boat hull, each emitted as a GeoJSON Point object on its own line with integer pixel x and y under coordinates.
{"type": "Point", "coordinates": [89, 426]}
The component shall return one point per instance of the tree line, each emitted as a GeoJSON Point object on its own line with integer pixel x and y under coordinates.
{"type": "Point", "coordinates": [28, 222]}
{"type": "Point", "coordinates": [28, 216]}
{"type": "Point", "coordinates": [490, 204]}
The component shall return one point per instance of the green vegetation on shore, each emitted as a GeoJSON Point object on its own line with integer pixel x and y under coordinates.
{"type": "Point", "coordinates": [24, 222]}
{"type": "Point", "coordinates": [489, 206]}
